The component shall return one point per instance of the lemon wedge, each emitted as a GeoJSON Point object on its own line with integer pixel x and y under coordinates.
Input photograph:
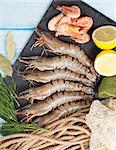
{"type": "Point", "coordinates": [105, 37]}
{"type": "Point", "coordinates": [105, 63]}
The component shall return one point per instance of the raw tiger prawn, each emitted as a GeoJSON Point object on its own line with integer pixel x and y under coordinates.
{"type": "Point", "coordinates": [64, 110]}
{"type": "Point", "coordinates": [59, 47]}
{"type": "Point", "coordinates": [58, 62]}
{"type": "Point", "coordinates": [55, 100]}
{"type": "Point", "coordinates": [44, 91]}
{"type": "Point", "coordinates": [56, 74]}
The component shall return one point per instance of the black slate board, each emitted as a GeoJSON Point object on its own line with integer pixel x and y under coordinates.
{"type": "Point", "coordinates": [90, 48]}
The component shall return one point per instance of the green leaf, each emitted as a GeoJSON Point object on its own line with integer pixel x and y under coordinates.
{"type": "Point", "coordinates": [10, 46]}
{"type": "Point", "coordinates": [107, 87]}
{"type": "Point", "coordinates": [5, 66]}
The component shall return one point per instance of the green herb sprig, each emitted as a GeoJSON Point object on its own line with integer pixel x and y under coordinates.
{"type": "Point", "coordinates": [13, 128]}
{"type": "Point", "coordinates": [7, 112]}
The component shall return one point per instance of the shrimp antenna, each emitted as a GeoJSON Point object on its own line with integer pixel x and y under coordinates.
{"type": "Point", "coordinates": [38, 31]}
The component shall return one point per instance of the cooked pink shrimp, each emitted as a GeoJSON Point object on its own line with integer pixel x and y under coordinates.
{"type": "Point", "coordinates": [63, 20]}
{"type": "Point", "coordinates": [70, 11]}
{"type": "Point", "coordinates": [62, 26]}
{"type": "Point", "coordinates": [67, 29]}
{"type": "Point", "coordinates": [80, 38]}
{"type": "Point", "coordinates": [84, 23]}
{"type": "Point", "coordinates": [73, 33]}
{"type": "Point", "coordinates": [54, 21]}
{"type": "Point", "coordinates": [62, 30]}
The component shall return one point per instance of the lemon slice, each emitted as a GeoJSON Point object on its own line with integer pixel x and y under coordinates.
{"type": "Point", "coordinates": [105, 63]}
{"type": "Point", "coordinates": [105, 37]}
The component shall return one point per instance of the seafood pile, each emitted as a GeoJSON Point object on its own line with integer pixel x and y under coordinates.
{"type": "Point", "coordinates": [66, 93]}
{"type": "Point", "coordinates": [67, 77]}
{"type": "Point", "coordinates": [69, 23]}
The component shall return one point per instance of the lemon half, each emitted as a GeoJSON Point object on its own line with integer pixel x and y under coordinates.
{"type": "Point", "coordinates": [105, 37]}
{"type": "Point", "coordinates": [105, 63]}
